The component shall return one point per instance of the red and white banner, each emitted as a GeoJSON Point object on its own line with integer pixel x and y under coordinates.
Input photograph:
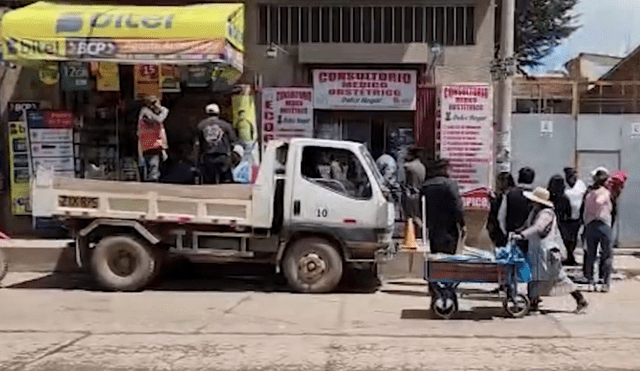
{"type": "Point", "coordinates": [466, 137]}
{"type": "Point", "coordinates": [381, 90]}
{"type": "Point", "coordinates": [476, 199]}
{"type": "Point", "coordinates": [287, 113]}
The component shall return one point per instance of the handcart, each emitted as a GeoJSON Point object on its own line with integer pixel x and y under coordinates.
{"type": "Point", "coordinates": [444, 274]}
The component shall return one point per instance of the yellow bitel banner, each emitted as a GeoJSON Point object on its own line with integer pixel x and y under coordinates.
{"type": "Point", "coordinates": [93, 31]}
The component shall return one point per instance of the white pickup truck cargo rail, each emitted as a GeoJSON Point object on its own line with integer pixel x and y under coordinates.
{"type": "Point", "coordinates": [214, 204]}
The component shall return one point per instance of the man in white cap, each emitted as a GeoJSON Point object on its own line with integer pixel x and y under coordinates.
{"type": "Point", "coordinates": [215, 139]}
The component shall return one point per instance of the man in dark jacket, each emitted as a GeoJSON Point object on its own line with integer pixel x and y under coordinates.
{"type": "Point", "coordinates": [415, 175]}
{"type": "Point", "coordinates": [515, 208]}
{"type": "Point", "coordinates": [215, 140]}
{"type": "Point", "coordinates": [444, 209]}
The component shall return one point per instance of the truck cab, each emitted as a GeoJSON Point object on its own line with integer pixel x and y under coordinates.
{"type": "Point", "coordinates": [316, 206]}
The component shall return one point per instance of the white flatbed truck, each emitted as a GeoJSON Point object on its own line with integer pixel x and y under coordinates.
{"type": "Point", "coordinates": [316, 206]}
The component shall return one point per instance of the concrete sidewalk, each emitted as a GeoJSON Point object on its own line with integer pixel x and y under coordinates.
{"type": "Point", "coordinates": [234, 325]}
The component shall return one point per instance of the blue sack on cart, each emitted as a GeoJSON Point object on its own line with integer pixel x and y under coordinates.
{"type": "Point", "coordinates": [511, 254]}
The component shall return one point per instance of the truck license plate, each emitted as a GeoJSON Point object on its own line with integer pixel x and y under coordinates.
{"type": "Point", "coordinates": [78, 202]}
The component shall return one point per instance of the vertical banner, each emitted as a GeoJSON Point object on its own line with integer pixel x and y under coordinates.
{"type": "Point", "coordinates": [198, 76]}
{"type": "Point", "coordinates": [287, 113]}
{"type": "Point", "coordinates": [466, 140]}
{"type": "Point", "coordinates": [107, 77]}
{"type": "Point", "coordinates": [75, 76]}
{"type": "Point", "coordinates": [146, 80]}
{"type": "Point", "coordinates": [169, 79]}
{"type": "Point", "coordinates": [49, 73]}
{"type": "Point", "coordinates": [19, 179]}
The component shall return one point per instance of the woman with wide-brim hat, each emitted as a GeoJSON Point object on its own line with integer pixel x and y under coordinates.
{"type": "Point", "coordinates": [546, 251]}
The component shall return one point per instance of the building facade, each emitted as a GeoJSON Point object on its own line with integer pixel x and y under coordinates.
{"type": "Point", "coordinates": [347, 50]}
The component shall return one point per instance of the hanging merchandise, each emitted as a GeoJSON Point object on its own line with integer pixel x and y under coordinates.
{"type": "Point", "coordinates": [198, 76]}
{"type": "Point", "coordinates": [244, 114]}
{"type": "Point", "coordinates": [48, 73]}
{"type": "Point", "coordinates": [147, 80]}
{"type": "Point", "coordinates": [107, 77]}
{"type": "Point", "coordinates": [75, 76]}
{"type": "Point", "coordinates": [169, 79]}
{"type": "Point", "coordinates": [244, 121]}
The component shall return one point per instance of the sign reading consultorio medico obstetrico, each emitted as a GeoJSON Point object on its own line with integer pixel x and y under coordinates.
{"type": "Point", "coordinates": [466, 139]}
{"type": "Point", "coordinates": [381, 90]}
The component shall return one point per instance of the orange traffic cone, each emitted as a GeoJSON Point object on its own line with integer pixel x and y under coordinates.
{"type": "Point", "coordinates": [410, 241]}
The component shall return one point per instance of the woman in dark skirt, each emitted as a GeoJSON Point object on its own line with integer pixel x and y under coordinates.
{"type": "Point", "coordinates": [562, 207]}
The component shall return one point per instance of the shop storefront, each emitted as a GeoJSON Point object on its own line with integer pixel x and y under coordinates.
{"type": "Point", "coordinates": [375, 107]}
{"type": "Point", "coordinates": [95, 63]}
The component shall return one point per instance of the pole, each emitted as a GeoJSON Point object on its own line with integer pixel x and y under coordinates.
{"type": "Point", "coordinates": [505, 88]}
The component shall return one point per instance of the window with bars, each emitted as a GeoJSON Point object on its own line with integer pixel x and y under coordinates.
{"type": "Point", "coordinates": [290, 25]}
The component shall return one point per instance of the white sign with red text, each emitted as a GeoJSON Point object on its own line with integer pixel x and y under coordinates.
{"type": "Point", "coordinates": [375, 90]}
{"type": "Point", "coordinates": [287, 113]}
{"type": "Point", "coordinates": [466, 138]}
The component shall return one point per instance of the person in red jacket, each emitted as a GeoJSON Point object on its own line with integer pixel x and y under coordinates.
{"type": "Point", "coordinates": [152, 138]}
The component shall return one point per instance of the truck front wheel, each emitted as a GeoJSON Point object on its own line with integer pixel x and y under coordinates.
{"type": "Point", "coordinates": [312, 265]}
{"type": "Point", "coordinates": [123, 263]}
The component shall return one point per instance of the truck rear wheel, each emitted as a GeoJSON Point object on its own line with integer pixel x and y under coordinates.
{"type": "Point", "coordinates": [312, 265]}
{"type": "Point", "coordinates": [123, 263]}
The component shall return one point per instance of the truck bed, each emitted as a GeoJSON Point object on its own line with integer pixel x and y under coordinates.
{"type": "Point", "coordinates": [91, 199]}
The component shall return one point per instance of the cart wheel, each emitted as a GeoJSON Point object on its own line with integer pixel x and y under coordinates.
{"type": "Point", "coordinates": [517, 306]}
{"type": "Point", "coordinates": [444, 304]}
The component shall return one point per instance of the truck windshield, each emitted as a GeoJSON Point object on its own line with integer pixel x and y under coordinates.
{"type": "Point", "coordinates": [371, 163]}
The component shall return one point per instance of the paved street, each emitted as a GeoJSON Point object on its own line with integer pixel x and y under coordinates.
{"type": "Point", "coordinates": [50, 322]}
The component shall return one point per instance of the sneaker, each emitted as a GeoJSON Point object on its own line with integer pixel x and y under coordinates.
{"type": "Point", "coordinates": [605, 288]}
{"type": "Point", "coordinates": [592, 287]}
{"type": "Point", "coordinates": [582, 307]}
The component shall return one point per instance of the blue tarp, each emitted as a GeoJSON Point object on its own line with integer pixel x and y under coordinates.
{"type": "Point", "coordinates": [511, 254]}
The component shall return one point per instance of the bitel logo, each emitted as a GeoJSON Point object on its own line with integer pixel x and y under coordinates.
{"type": "Point", "coordinates": [69, 23]}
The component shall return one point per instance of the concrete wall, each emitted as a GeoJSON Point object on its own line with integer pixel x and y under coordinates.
{"type": "Point", "coordinates": [547, 155]}
{"type": "Point", "coordinates": [592, 138]}
{"type": "Point", "coordinates": [461, 63]}
{"type": "Point", "coordinates": [612, 133]}
{"type": "Point", "coordinates": [471, 63]}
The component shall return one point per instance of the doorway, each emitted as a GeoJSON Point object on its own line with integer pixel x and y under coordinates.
{"type": "Point", "coordinates": [372, 128]}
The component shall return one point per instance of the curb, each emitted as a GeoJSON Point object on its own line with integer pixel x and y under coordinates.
{"type": "Point", "coordinates": [47, 255]}
{"type": "Point", "coordinates": [43, 256]}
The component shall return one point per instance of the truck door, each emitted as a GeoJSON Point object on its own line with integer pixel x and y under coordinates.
{"type": "Point", "coordinates": [332, 190]}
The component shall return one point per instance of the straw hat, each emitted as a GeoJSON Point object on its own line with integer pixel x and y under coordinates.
{"type": "Point", "coordinates": [539, 195]}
